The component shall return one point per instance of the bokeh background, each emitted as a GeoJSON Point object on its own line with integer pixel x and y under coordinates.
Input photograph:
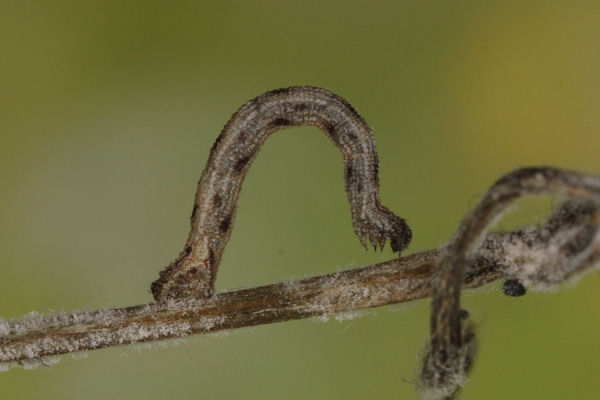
{"type": "Point", "coordinates": [109, 108]}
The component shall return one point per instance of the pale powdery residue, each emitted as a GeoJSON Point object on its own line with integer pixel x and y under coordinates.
{"type": "Point", "coordinates": [339, 295]}
{"type": "Point", "coordinates": [135, 333]}
{"type": "Point", "coordinates": [455, 382]}
{"type": "Point", "coordinates": [27, 322]}
{"type": "Point", "coordinates": [50, 361]}
{"type": "Point", "coordinates": [321, 318]}
{"type": "Point", "coordinates": [401, 287]}
{"type": "Point", "coordinates": [80, 355]}
{"type": "Point", "coordinates": [38, 362]}
{"type": "Point", "coordinates": [337, 298]}
{"type": "Point", "coordinates": [31, 364]}
{"type": "Point", "coordinates": [207, 324]}
{"type": "Point", "coordinates": [33, 321]}
{"type": "Point", "coordinates": [219, 334]}
{"type": "Point", "coordinates": [492, 224]}
{"type": "Point", "coordinates": [440, 380]}
{"type": "Point", "coordinates": [349, 315]}
{"type": "Point", "coordinates": [355, 296]}
{"type": "Point", "coordinates": [99, 328]}
{"type": "Point", "coordinates": [544, 266]}
{"type": "Point", "coordinates": [183, 305]}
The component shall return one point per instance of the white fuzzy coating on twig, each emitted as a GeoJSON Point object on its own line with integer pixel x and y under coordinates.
{"type": "Point", "coordinates": [30, 340]}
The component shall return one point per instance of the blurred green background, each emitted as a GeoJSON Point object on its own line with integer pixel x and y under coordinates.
{"type": "Point", "coordinates": [109, 109]}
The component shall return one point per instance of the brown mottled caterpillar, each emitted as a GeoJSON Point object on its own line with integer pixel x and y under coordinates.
{"type": "Point", "coordinates": [193, 273]}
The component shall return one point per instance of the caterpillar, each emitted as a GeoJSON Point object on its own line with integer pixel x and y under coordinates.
{"type": "Point", "coordinates": [193, 273]}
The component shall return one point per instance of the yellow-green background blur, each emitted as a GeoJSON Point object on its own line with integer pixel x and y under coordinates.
{"type": "Point", "coordinates": [108, 110]}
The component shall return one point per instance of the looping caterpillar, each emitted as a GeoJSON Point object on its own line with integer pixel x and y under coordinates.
{"type": "Point", "coordinates": [193, 273]}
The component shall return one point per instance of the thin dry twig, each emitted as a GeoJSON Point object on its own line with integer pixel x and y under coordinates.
{"type": "Point", "coordinates": [36, 339]}
{"type": "Point", "coordinates": [394, 281]}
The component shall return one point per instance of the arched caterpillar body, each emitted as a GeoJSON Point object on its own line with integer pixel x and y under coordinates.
{"type": "Point", "coordinates": [193, 273]}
